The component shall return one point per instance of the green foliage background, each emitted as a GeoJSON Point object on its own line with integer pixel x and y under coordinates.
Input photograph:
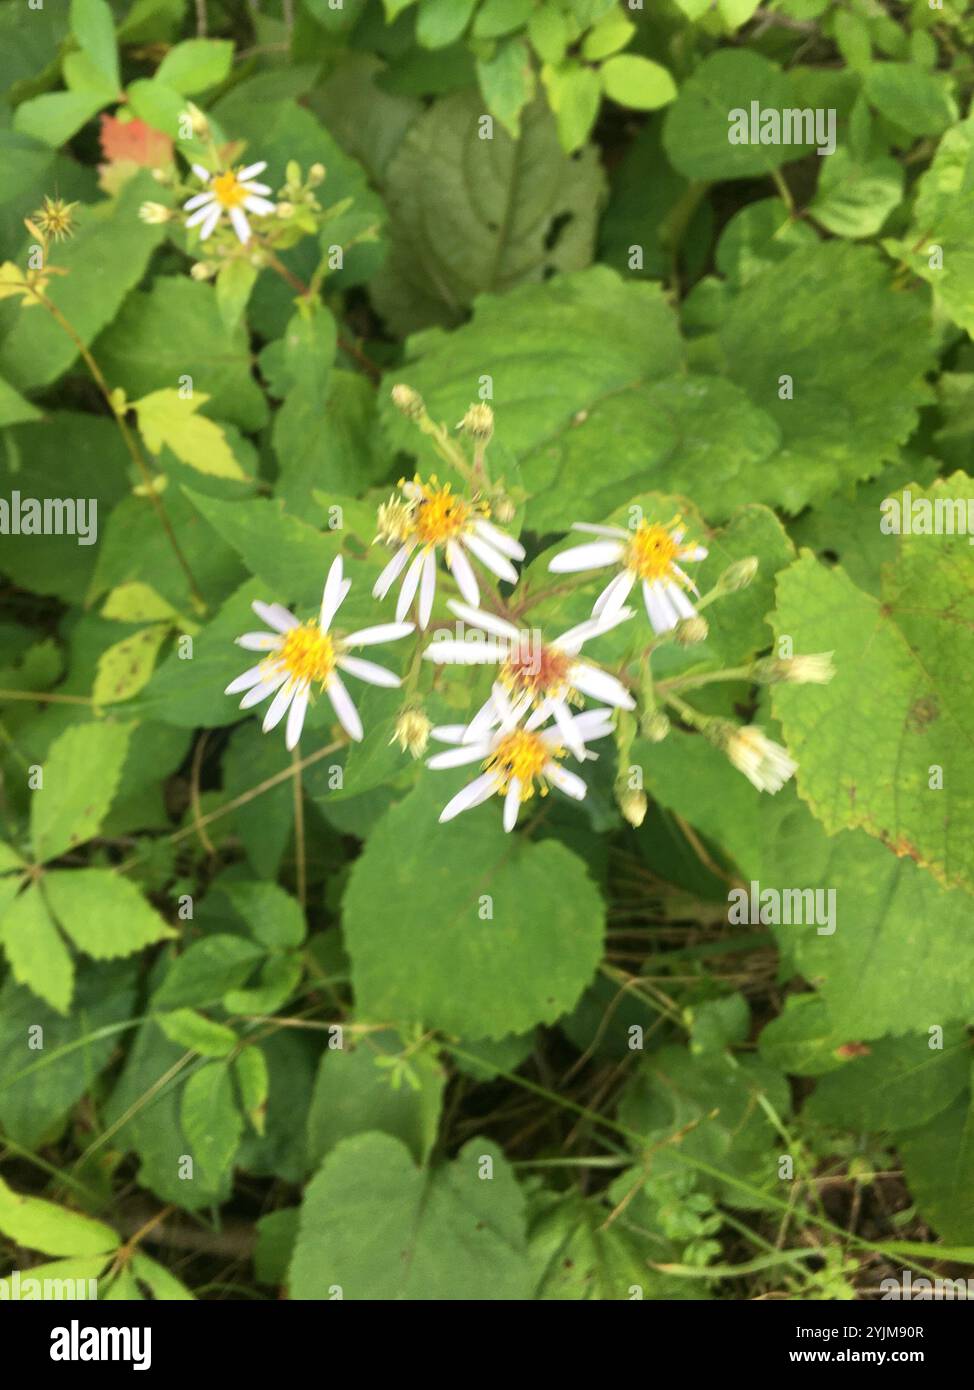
{"type": "Point", "coordinates": [635, 288]}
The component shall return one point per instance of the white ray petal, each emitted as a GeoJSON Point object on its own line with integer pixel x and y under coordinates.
{"type": "Point", "coordinates": [594, 556]}
{"type": "Point", "coordinates": [295, 717]}
{"type": "Point", "coordinates": [250, 186]}
{"type": "Point", "coordinates": [198, 200]}
{"type": "Point", "coordinates": [427, 588]}
{"type": "Point", "coordinates": [240, 225]}
{"type": "Point", "coordinates": [512, 803]}
{"type": "Point", "coordinates": [594, 723]}
{"type": "Point", "coordinates": [246, 681]}
{"type": "Point", "coordinates": [341, 703]}
{"type": "Point", "coordinates": [203, 211]}
{"type": "Point", "coordinates": [680, 601]}
{"type": "Point", "coordinates": [252, 170]}
{"type": "Point", "coordinates": [369, 671]}
{"type": "Point", "coordinates": [462, 571]}
{"type": "Point", "coordinates": [278, 707]}
{"type": "Point", "coordinates": [590, 680]}
{"type": "Point", "coordinates": [696, 552]}
{"type": "Point", "coordinates": [266, 687]}
{"type": "Point", "coordinates": [409, 586]}
{"type": "Point", "coordinates": [391, 572]}
{"type": "Point", "coordinates": [382, 632]}
{"type": "Point", "coordinates": [616, 532]}
{"type": "Point", "coordinates": [201, 173]}
{"type": "Point", "coordinates": [448, 733]}
{"type": "Point", "coordinates": [483, 721]}
{"type": "Point", "coordinates": [568, 782]}
{"type": "Point", "coordinates": [500, 540]}
{"type": "Point", "coordinates": [662, 615]}
{"type": "Point", "coordinates": [260, 641]}
{"type": "Point", "coordinates": [612, 599]}
{"type": "Point", "coordinates": [259, 206]}
{"type": "Point", "coordinates": [498, 564]}
{"type": "Point", "coordinates": [567, 728]}
{"type": "Point", "coordinates": [454, 651]}
{"type": "Point", "coordinates": [331, 594]}
{"type": "Point", "coordinates": [212, 218]}
{"type": "Point", "coordinates": [489, 622]}
{"type": "Point", "coordinates": [275, 615]}
{"type": "Point", "coordinates": [471, 795]}
{"type": "Point", "coordinates": [573, 640]}
{"type": "Point", "coordinates": [459, 757]}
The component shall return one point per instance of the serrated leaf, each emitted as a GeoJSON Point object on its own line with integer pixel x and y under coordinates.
{"type": "Point", "coordinates": [253, 1078]}
{"type": "Point", "coordinates": [211, 1121]}
{"type": "Point", "coordinates": [52, 1229]}
{"type": "Point", "coordinates": [469, 215]}
{"type": "Point", "coordinates": [475, 976]}
{"type": "Point", "coordinates": [938, 1160]}
{"type": "Point", "coordinates": [195, 64]}
{"type": "Point", "coordinates": [380, 1228]}
{"type": "Point", "coordinates": [80, 775]}
{"type": "Point", "coordinates": [169, 419]}
{"type": "Point", "coordinates": [698, 124]}
{"type": "Point", "coordinates": [901, 1083]}
{"type": "Point", "coordinates": [274, 918]}
{"type": "Point", "coordinates": [38, 957]}
{"type": "Point", "coordinates": [103, 913]}
{"type": "Point", "coordinates": [194, 1031]}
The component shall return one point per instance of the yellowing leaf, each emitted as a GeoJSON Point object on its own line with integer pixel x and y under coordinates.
{"type": "Point", "coordinates": [125, 667]}
{"type": "Point", "coordinates": [167, 418]}
{"type": "Point", "coordinates": [136, 602]}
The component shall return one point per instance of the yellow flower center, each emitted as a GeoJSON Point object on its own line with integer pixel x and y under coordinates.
{"type": "Point", "coordinates": [539, 673]}
{"type": "Point", "coordinates": [521, 754]}
{"type": "Point", "coordinates": [440, 516]}
{"type": "Point", "coordinates": [228, 190]}
{"type": "Point", "coordinates": [651, 552]}
{"type": "Point", "coordinates": [307, 653]}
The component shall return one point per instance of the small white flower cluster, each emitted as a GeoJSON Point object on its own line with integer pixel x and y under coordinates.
{"type": "Point", "coordinates": [534, 716]}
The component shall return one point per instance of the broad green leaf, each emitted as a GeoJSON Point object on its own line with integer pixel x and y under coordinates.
{"type": "Point", "coordinates": [548, 30]}
{"type": "Point", "coordinates": [40, 1084]}
{"type": "Point", "coordinates": [211, 1121]}
{"type": "Point", "coordinates": [14, 410]}
{"type": "Point", "coordinates": [126, 666]}
{"type": "Point", "coordinates": [274, 918]}
{"type": "Point", "coordinates": [637, 82]}
{"type": "Point", "coordinates": [577, 1256]}
{"type": "Point", "coordinates": [902, 1083]}
{"type": "Point", "coordinates": [441, 22]}
{"type": "Point", "coordinates": [470, 215]}
{"type": "Point", "coordinates": [234, 282]}
{"type": "Point", "coordinates": [103, 913]}
{"type": "Point", "coordinates": [612, 32]}
{"type": "Point", "coordinates": [575, 94]}
{"type": "Point", "coordinates": [157, 103]}
{"type": "Point", "coordinates": [106, 258]}
{"type": "Point", "coordinates": [899, 706]}
{"type": "Point", "coordinates": [353, 1093]}
{"type": "Point", "coordinates": [37, 955]}
{"type": "Point", "coordinates": [495, 18]}
{"type": "Point", "coordinates": [300, 370]}
{"type": "Point", "coordinates": [253, 1078]}
{"type": "Point", "coordinates": [380, 1228]}
{"type": "Point", "coordinates": [163, 1284]}
{"type": "Point", "coordinates": [52, 1229]}
{"type": "Point", "coordinates": [938, 1160]}
{"type": "Point", "coordinates": [856, 383]}
{"type": "Point", "coordinates": [918, 101]}
{"type": "Point", "coordinates": [173, 331]}
{"type": "Point", "coordinates": [169, 419]}
{"type": "Point", "coordinates": [196, 64]}
{"type": "Point", "coordinates": [854, 199]}
{"type": "Point", "coordinates": [698, 125]}
{"type": "Point", "coordinates": [56, 116]}
{"type": "Point", "coordinates": [137, 603]}
{"type": "Point", "coordinates": [205, 971]}
{"type": "Point", "coordinates": [94, 28]}
{"type": "Point", "coordinates": [424, 949]}
{"type": "Point", "coordinates": [507, 82]}
{"type": "Point", "coordinates": [200, 1034]}
{"type": "Point", "coordinates": [758, 235]}
{"type": "Point", "coordinates": [80, 776]}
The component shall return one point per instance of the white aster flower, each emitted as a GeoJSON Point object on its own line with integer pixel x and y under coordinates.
{"type": "Point", "coordinates": [515, 756]}
{"type": "Point", "coordinates": [424, 517]}
{"type": "Point", "coordinates": [233, 192]}
{"type": "Point", "coordinates": [548, 674]}
{"type": "Point", "coordinates": [650, 554]}
{"type": "Point", "coordinates": [302, 655]}
{"type": "Point", "coordinates": [764, 763]}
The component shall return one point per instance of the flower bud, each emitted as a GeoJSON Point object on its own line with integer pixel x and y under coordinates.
{"type": "Point", "coordinates": [655, 725]}
{"type": "Point", "coordinates": [202, 270]}
{"type": "Point", "coordinates": [739, 575]}
{"type": "Point", "coordinates": [478, 423]}
{"type": "Point", "coordinates": [201, 126]}
{"type": "Point", "coordinates": [154, 213]}
{"type": "Point", "coordinates": [764, 763]}
{"type": "Point", "coordinates": [412, 731]}
{"type": "Point", "coordinates": [503, 509]}
{"type": "Point", "coordinates": [814, 669]}
{"type": "Point", "coordinates": [285, 209]}
{"type": "Point", "coordinates": [691, 630]}
{"type": "Point", "coordinates": [408, 401]}
{"type": "Point", "coordinates": [316, 175]}
{"type": "Point", "coordinates": [633, 805]}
